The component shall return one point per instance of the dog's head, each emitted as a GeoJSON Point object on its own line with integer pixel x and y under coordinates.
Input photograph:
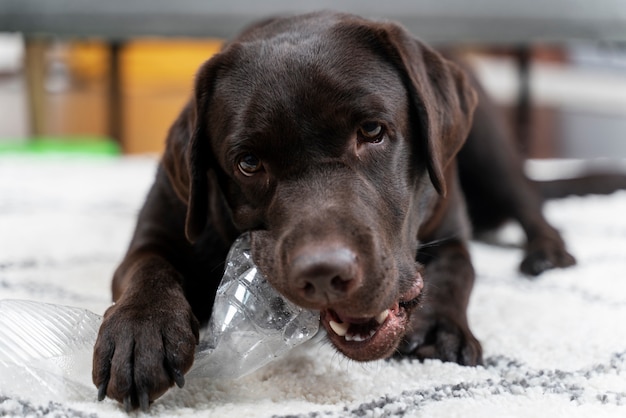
{"type": "Point", "coordinates": [329, 137]}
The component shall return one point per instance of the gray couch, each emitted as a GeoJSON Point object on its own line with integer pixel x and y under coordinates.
{"type": "Point", "coordinates": [484, 21]}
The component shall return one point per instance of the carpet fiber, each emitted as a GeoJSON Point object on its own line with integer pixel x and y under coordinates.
{"type": "Point", "coordinates": [553, 347]}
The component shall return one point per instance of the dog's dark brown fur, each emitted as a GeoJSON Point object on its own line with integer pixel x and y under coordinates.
{"type": "Point", "coordinates": [339, 142]}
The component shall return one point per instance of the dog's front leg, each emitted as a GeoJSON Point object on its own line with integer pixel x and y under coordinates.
{"type": "Point", "coordinates": [439, 328]}
{"type": "Point", "coordinates": [148, 337]}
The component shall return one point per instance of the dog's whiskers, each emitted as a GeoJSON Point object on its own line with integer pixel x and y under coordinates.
{"type": "Point", "coordinates": [437, 242]}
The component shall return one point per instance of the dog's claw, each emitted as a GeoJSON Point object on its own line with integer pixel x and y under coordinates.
{"type": "Point", "coordinates": [144, 402]}
{"type": "Point", "coordinates": [128, 404]}
{"type": "Point", "coordinates": [179, 378]}
{"type": "Point", "coordinates": [102, 391]}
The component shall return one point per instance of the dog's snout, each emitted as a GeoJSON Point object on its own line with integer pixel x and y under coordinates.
{"type": "Point", "coordinates": [325, 274]}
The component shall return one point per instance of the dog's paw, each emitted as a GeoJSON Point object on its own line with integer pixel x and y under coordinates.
{"type": "Point", "coordinates": [443, 338]}
{"type": "Point", "coordinates": [142, 351]}
{"type": "Point", "coordinates": [545, 254]}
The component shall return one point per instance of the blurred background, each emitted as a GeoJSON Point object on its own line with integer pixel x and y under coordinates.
{"type": "Point", "coordinates": [114, 74]}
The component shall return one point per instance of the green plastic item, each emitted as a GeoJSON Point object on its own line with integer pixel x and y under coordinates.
{"type": "Point", "coordinates": [96, 146]}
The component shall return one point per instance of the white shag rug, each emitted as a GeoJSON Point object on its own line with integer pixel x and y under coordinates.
{"type": "Point", "coordinates": [553, 347]}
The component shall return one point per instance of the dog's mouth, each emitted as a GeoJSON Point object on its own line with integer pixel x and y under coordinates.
{"type": "Point", "coordinates": [372, 338]}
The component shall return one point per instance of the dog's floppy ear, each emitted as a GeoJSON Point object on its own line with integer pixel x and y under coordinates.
{"type": "Point", "coordinates": [441, 95]}
{"type": "Point", "coordinates": [190, 163]}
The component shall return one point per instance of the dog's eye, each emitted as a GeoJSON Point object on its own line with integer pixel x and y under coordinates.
{"type": "Point", "coordinates": [249, 164]}
{"type": "Point", "coordinates": [371, 132]}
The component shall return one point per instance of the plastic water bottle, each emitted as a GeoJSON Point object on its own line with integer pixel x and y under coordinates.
{"type": "Point", "coordinates": [251, 324]}
{"type": "Point", "coordinates": [46, 350]}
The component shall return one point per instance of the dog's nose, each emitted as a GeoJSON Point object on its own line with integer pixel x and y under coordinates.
{"type": "Point", "coordinates": [325, 274]}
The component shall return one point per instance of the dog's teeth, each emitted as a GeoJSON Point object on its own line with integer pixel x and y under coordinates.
{"type": "Point", "coordinates": [382, 316]}
{"type": "Point", "coordinates": [354, 337]}
{"type": "Point", "coordinates": [340, 329]}
{"type": "Point", "coordinates": [359, 337]}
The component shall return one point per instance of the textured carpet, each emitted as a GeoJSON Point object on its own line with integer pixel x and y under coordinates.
{"type": "Point", "coordinates": [553, 347]}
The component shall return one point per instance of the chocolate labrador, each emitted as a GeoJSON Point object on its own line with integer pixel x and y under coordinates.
{"type": "Point", "coordinates": [357, 156]}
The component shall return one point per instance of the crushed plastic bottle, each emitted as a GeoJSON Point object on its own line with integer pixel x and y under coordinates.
{"type": "Point", "coordinates": [46, 350]}
{"type": "Point", "coordinates": [251, 324]}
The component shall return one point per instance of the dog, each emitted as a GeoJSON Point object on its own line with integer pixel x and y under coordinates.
{"type": "Point", "coordinates": [361, 160]}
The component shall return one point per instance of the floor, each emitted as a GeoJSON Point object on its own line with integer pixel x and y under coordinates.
{"type": "Point", "coordinates": [580, 108]}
